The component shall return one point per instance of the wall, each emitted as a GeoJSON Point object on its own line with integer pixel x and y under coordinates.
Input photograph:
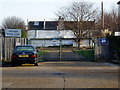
{"type": "Point", "coordinates": [46, 43]}
{"type": "Point", "coordinates": [86, 43]}
{"type": "Point", "coordinates": [50, 34]}
{"type": "Point", "coordinates": [50, 42]}
{"type": "Point", "coordinates": [54, 34]}
{"type": "Point", "coordinates": [102, 52]}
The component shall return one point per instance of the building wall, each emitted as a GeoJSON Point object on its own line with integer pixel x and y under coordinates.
{"type": "Point", "coordinates": [46, 43]}
{"type": "Point", "coordinates": [85, 43]}
{"type": "Point", "coordinates": [50, 34]}
{"type": "Point", "coordinates": [31, 34]}
{"type": "Point", "coordinates": [54, 34]}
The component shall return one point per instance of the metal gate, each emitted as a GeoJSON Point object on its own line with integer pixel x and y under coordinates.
{"type": "Point", "coordinates": [63, 53]}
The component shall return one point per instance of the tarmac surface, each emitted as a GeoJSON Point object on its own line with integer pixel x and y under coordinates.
{"type": "Point", "coordinates": [61, 75]}
{"type": "Point", "coordinates": [66, 55]}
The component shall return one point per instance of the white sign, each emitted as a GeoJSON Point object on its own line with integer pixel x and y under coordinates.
{"type": "Point", "coordinates": [117, 33]}
{"type": "Point", "coordinates": [12, 32]}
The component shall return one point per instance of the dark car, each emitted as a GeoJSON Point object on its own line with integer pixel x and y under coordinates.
{"type": "Point", "coordinates": [23, 54]}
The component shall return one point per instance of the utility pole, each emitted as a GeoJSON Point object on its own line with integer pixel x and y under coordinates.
{"type": "Point", "coordinates": [117, 32]}
{"type": "Point", "coordinates": [118, 16]}
{"type": "Point", "coordinates": [102, 15]}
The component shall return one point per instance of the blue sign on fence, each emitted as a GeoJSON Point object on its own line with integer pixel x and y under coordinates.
{"type": "Point", "coordinates": [103, 41]}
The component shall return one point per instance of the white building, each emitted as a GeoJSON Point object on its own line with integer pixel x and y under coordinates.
{"type": "Point", "coordinates": [49, 33]}
{"type": "Point", "coordinates": [50, 37]}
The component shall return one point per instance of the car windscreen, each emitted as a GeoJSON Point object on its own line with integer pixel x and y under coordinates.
{"type": "Point", "coordinates": [24, 48]}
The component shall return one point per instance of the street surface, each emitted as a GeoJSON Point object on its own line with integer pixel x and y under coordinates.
{"type": "Point", "coordinates": [61, 75]}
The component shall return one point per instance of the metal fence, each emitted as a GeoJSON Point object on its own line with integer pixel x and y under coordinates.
{"type": "Point", "coordinates": [114, 45]}
{"type": "Point", "coordinates": [8, 44]}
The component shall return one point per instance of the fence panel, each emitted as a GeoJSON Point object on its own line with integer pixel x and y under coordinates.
{"type": "Point", "coordinates": [8, 44]}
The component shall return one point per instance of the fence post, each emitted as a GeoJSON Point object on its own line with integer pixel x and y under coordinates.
{"type": "Point", "coordinates": [5, 48]}
{"type": "Point", "coordinates": [1, 48]}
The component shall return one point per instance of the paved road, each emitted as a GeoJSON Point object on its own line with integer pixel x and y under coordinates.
{"type": "Point", "coordinates": [61, 75]}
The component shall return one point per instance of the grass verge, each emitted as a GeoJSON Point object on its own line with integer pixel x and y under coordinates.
{"type": "Point", "coordinates": [40, 53]}
{"type": "Point", "coordinates": [86, 53]}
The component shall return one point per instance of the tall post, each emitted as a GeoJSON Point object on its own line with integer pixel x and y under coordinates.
{"type": "Point", "coordinates": [118, 16]}
{"type": "Point", "coordinates": [118, 33]}
{"type": "Point", "coordinates": [102, 15]}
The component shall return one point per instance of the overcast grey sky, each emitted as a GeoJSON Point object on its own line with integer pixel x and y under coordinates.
{"type": "Point", "coordinates": [41, 9]}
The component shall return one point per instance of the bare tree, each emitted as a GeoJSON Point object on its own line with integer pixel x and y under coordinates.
{"type": "Point", "coordinates": [14, 23]}
{"type": "Point", "coordinates": [78, 17]}
{"type": "Point", "coordinates": [110, 21]}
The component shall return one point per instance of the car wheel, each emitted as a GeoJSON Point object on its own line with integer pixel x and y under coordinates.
{"type": "Point", "coordinates": [36, 64]}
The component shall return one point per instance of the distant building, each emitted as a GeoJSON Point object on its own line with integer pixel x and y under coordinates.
{"type": "Point", "coordinates": [48, 33]}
